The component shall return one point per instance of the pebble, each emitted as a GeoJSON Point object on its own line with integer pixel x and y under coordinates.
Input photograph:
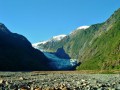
{"type": "Point", "coordinates": [21, 78]}
{"type": "Point", "coordinates": [16, 81]}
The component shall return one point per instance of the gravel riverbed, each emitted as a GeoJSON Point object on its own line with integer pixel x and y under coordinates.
{"type": "Point", "coordinates": [58, 81]}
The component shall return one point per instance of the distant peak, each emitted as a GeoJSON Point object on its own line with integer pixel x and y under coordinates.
{"type": "Point", "coordinates": [3, 28]}
{"type": "Point", "coordinates": [1, 24]}
{"type": "Point", "coordinates": [83, 27]}
{"type": "Point", "coordinates": [59, 37]}
{"type": "Point", "coordinates": [79, 28]}
{"type": "Point", "coordinates": [54, 38]}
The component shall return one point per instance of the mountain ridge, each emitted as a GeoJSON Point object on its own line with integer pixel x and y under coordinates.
{"type": "Point", "coordinates": [17, 53]}
{"type": "Point", "coordinates": [86, 45]}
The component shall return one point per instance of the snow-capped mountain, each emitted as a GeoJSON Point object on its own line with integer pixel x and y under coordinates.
{"type": "Point", "coordinates": [48, 43]}
{"type": "Point", "coordinates": [83, 27]}
{"type": "Point", "coordinates": [35, 45]}
{"type": "Point", "coordinates": [52, 40]}
{"type": "Point", "coordinates": [79, 28]}
{"type": "Point", "coordinates": [59, 37]}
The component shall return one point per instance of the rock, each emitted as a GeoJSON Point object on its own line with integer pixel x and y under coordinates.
{"type": "Point", "coordinates": [1, 81]}
{"type": "Point", "coordinates": [82, 80]}
{"type": "Point", "coordinates": [63, 82]}
{"type": "Point", "coordinates": [48, 88]}
{"type": "Point", "coordinates": [24, 88]}
{"type": "Point", "coordinates": [13, 87]}
{"type": "Point", "coordinates": [52, 88]}
{"type": "Point", "coordinates": [75, 88]}
{"type": "Point", "coordinates": [78, 82]}
{"type": "Point", "coordinates": [118, 86]}
{"type": "Point", "coordinates": [37, 88]}
{"type": "Point", "coordinates": [6, 83]}
{"type": "Point", "coordinates": [21, 78]}
{"type": "Point", "coordinates": [62, 86]}
{"type": "Point", "coordinates": [65, 88]}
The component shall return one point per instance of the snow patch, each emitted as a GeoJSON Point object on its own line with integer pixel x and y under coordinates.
{"type": "Point", "coordinates": [35, 45]}
{"type": "Point", "coordinates": [54, 38]}
{"type": "Point", "coordinates": [43, 42]}
{"type": "Point", "coordinates": [83, 27]}
{"type": "Point", "coordinates": [79, 28]}
{"type": "Point", "coordinates": [59, 37]}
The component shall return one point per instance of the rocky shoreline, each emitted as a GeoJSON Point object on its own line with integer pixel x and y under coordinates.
{"type": "Point", "coordinates": [60, 81]}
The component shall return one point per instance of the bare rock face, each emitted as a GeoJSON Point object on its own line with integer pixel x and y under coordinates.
{"type": "Point", "coordinates": [61, 53]}
{"type": "Point", "coordinates": [17, 53]}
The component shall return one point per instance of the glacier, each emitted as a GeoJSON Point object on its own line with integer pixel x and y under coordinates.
{"type": "Point", "coordinates": [60, 64]}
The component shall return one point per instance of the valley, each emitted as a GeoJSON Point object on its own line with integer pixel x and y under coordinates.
{"type": "Point", "coordinates": [96, 47]}
{"type": "Point", "coordinates": [60, 45]}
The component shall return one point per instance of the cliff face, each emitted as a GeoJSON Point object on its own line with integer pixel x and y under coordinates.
{"type": "Point", "coordinates": [17, 53]}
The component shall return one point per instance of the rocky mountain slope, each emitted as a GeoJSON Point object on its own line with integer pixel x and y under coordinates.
{"type": "Point", "coordinates": [48, 44]}
{"type": "Point", "coordinates": [96, 47]}
{"type": "Point", "coordinates": [17, 53]}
